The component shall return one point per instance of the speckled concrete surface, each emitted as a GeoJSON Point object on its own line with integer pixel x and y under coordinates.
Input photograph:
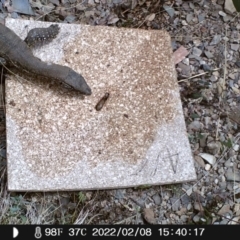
{"type": "Point", "coordinates": [56, 140]}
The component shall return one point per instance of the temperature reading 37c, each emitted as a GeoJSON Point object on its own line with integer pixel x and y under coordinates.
{"type": "Point", "coordinates": [77, 232]}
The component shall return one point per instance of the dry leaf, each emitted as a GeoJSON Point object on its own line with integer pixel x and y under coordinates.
{"type": "Point", "coordinates": [234, 114]}
{"type": "Point", "coordinates": [36, 4]}
{"type": "Point", "coordinates": [221, 86]}
{"type": "Point", "coordinates": [150, 17]}
{"type": "Point", "coordinates": [148, 215]}
{"type": "Point", "coordinates": [141, 2]}
{"type": "Point", "coordinates": [134, 4]}
{"type": "Point", "coordinates": [180, 54]}
{"type": "Point", "coordinates": [113, 20]}
{"type": "Point", "coordinates": [236, 90]}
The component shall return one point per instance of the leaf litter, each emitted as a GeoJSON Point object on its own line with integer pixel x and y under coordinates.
{"type": "Point", "coordinates": [206, 53]}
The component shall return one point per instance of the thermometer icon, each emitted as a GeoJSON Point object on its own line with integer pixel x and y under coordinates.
{"type": "Point", "coordinates": [38, 233]}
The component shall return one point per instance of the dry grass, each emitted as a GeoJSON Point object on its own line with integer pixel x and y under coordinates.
{"type": "Point", "coordinates": [92, 207]}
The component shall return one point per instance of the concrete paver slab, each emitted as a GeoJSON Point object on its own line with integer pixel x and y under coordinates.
{"type": "Point", "coordinates": [56, 140]}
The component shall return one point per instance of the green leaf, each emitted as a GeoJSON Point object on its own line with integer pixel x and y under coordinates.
{"type": "Point", "coordinates": [24, 219]}
{"type": "Point", "coordinates": [228, 143]}
{"type": "Point", "coordinates": [81, 197]}
{"type": "Point", "coordinates": [14, 209]}
{"type": "Point", "coordinates": [195, 115]}
{"type": "Point", "coordinates": [195, 95]}
{"type": "Point", "coordinates": [236, 3]}
{"type": "Point", "coordinates": [200, 136]}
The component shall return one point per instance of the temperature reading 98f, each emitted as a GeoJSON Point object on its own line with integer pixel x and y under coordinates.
{"type": "Point", "coordinates": [53, 232]}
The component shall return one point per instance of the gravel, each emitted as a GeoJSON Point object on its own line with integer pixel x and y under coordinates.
{"type": "Point", "coordinates": [209, 86]}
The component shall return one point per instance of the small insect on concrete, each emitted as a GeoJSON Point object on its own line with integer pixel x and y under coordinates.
{"type": "Point", "coordinates": [102, 101]}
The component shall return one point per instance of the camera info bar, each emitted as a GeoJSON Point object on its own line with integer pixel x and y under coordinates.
{"type": "Point", "coordinates": [43, 232]}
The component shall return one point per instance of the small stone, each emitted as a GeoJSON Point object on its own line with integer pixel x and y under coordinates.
{"type": "Point", "coordinates": [195, 125]}
{"type": "Point", "coordinates": [198, 206]}
{"type": "Point", "coordinates": [174, 44]}
{"type": "Point", "coordinates": [227, 18]}
{"type": "Point", "coordinates": [185, 69]}
{"type": "Point", "coordinates": [191, 5]}
{"type": "Point", "coordinates": [197, 42]}
{"type": "Point", "coordinates": [201, 17]}
{"type": "Point", "coordinates": [189, 191]}
{"type": "Point", "coordinates": [223, 14]}
{"type": "Point", "coordinates": [76, 51]}
{"type": "Point", "coordinates": [203, 140]}
{"type": "Point", "coordinates": [223, 185]}
{"type": "Point", "coordinates": [224, 210]}
{"type": "Point", "coordinates": [228, 163]}
{"type": "Point", "coordinates": [208, 54]}
{"type": "Point", "coordinates": [165, 222]}
{"type": "Point", "coordinates": [226, 39]}
{"type": "Point", "coordinates": [181, 211]}
{"type": "Point", "coordinates": [199, 161]}
{"type": "Point", "coordinates": [112, 20]}
{"type": "Point", "coordinates": [223, 179]}
{"type": "Point", "coordinates": [207, 167]}
{"type": "Point", "coordinates": [189, 17]}
{"type": "Point", "coordinates": [14, 15]}
{"type": "Point", "coordinates": [214, 147]}
{"type": "Point", "coordinates": [69, 18]}
{"type": "Point", "coordinates": [213, 79]}
{"type": "Point", "coordinates": [88, 14]}
{"type": "Point", "coordinates": [232, 76]}
{"type": "Point", "coordinates": [164, 203]}
{"type": "Point", "coordinates": [189, 206]}
{"type": "Point", "coordinates": [236, 147]}
{"type": "Point", "coordinates": [197, 51]}
{"type": "Point", "coordinates": [185, 200]}
{"type": "Point", "coordinates": [169, 10]}
{"type": "Point", "coordinates": [175, 203]}
{"type": "Point", "coordinates": [119, 194]}
{"type": "Point", "coordinates": [233, 176]}
{"type": "Point", "coordinates": [234, 47]}
{"type": "Point", "coordinates": [216, 39]}
{"type": "Point", "coordinates": [196, 218]}
{"type": "Point", "coordinates": [157, 199]}
{"type": "Point", "coordinates": [184, 218]}
{"type": "Point", "coordinates": [235, 220]}
{"type": "Point", "coordinates": [208, 157]}
{"type": "Point", "coordinates": [230, 186]}
{"type": "Point", "coordinates": [91, 2]}
{"type": "Point", "coordinates": [229, 7]}
{"type": "Point", "coordinates": [206, 67]}
{"type": "Point", "coordinates": [186, 61]}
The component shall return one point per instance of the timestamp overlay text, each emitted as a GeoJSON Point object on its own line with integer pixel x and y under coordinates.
{"type": "Point", "coordinates": [123, 231]}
